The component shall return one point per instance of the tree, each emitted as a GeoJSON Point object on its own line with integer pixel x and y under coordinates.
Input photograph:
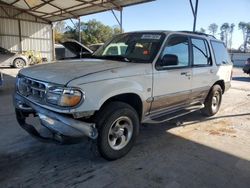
{"type": "Point", "coordinates": [92, 32]}
{"type": "Point", "coordinates": [212, 28]}
{"type": "Point", "coordinates": [59, 28]}
{"type": "Point", "coordinates": [245, 27]}
{"type": "Point", "coordinates": [231, 30]}
{"type": "Point", "coordinates": [202, 30]}
{"type": "Point", "coordinates": [225, 29]}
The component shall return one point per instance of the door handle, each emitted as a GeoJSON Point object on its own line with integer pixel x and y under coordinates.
{"type": "Point", "coordinates": [186, 73]}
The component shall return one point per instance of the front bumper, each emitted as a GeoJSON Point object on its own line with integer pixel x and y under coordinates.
{"type": "Point", "coordinates": [62, 128]}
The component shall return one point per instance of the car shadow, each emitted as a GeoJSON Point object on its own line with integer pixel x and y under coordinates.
{"type": "Point", "coordinates": [159, 158]}
{"type": "Point", "coordinates": [242, 79]}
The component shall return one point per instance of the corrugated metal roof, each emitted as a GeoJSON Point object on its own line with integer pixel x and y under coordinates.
{"type": "Point", "coordinates": [55, 10]}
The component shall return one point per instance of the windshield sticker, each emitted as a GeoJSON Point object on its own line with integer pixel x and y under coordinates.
{"type": "Point", "coordinates": [148, 36]}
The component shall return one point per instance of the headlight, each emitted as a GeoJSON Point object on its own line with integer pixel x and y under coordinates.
{"type": "Point", "coordinates": [66, 97]}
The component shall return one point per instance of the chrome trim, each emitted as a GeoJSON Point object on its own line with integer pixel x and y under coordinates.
{"type": "Point", "coordinates": [58, 122]}
{"type": "Point", "coordinates": [43, 102]}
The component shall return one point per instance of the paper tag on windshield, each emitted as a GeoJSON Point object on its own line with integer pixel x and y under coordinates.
{"type": "Point", "coordinates": [148, 36]}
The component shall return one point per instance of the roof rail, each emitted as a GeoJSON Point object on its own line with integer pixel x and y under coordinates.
{"type": "Point", "coordinates": [198, 33]}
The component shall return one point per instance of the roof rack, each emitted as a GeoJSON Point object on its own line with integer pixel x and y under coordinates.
{"type": "Point", "coordinates": [198, 33]}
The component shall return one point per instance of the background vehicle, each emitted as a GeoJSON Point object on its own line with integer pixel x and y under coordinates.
{"type": "Point", "coordinates": [71, 49]}
{"type": "Point", "coordinates": [138, 77]}
{"type": "Point", "coordinates": [8, 58]}
{"type": "Point", "coordinates": [115, 49]}
{"type": "Point", "coordinates": [95, 47]}
{"type": "Point", "coordinates": [246, 68]}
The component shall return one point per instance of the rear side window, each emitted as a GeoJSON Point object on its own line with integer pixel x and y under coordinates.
{"type": "Point", "coordinates": [220, 53]}
{"type": "Point", "coordinates": [113, 50]}
{"type": "Point", "coordinates": [201, 55]}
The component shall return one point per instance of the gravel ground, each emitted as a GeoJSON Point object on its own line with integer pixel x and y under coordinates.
{"type": "Point", "coordinates": [200, 152]}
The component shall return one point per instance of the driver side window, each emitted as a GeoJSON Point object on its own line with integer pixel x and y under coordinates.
{"type": "Point", "coordinates": [175, 53]}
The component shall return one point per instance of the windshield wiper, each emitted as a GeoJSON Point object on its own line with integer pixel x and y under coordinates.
{"type": "Point", "coordinates": [114, 57]}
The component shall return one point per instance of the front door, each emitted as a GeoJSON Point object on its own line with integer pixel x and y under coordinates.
{"type": "Point", "coordinates": [172, 75]}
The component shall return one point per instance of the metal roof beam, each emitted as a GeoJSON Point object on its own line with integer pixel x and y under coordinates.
{"type": "Point", "coordinates": [194, 11]}
{"type": "Point", "coordinates": [3, 4]}
{"type": "Point", "coordinates": [14, 2]}
{"type": "Point", "coordinates": [59, 8]}
{"type": "Point", "coordinates": [42, 4]}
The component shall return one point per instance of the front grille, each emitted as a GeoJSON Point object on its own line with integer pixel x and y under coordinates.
{"type": "Point", "coordinates": [32, 89]}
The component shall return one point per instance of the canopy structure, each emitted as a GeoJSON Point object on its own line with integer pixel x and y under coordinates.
{"type": "Point", "coordinates": [56, 10]}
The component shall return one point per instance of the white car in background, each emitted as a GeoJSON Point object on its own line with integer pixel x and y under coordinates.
{"type": "Point", "coordinates": [115, 49]}
{"type": "Point", "coordinates": [11, 59]}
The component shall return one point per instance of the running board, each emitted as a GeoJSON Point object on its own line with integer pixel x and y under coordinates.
{"type": "Point", "coordinates": [161, 118]}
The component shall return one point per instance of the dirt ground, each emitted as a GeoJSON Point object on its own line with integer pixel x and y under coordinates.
{"type": "Point", "coordinates": [201, 152]}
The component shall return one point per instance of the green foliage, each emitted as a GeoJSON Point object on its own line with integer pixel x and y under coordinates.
{"type": "Point", "coordinates": [59, 28]}
{"type": "Point", "coordinates": [92, 32]}
{"type": "Point", "coordinates": [212, 28]}
{"type": "Point", "coordinates": [202, 30]}
{"type": "Point", "coordinates": [245, 28]}
{"type": "Point", "coordinates": [227, 33]}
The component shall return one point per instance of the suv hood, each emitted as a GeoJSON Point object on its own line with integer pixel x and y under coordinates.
{"type": "Point", "coordinates": [65, 71]}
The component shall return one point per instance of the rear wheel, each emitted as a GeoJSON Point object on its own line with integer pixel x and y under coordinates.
{"type": "Point", "coordinates": [19, 63]}
{"type": "Point", "coordinates": [118, 126]}
{"type": "Point", "coordinates": [213, 101]}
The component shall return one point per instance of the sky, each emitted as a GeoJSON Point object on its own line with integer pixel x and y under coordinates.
{"type": "Point", "coordinates": [177, 15]}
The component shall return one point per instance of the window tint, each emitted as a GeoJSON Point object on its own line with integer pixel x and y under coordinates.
{"type": "Point", "coordinates": [220, 53]}
{"type": "Point", "coordinates": [123, 49]}
{"type": "Point", "coordinates": [113, 50]}
{"type": "Point", "coordinates": [176, 52]}
{"type": "Point", "coordinates": [200, 52]}
{"type": "Point", "coordinates": [135, 47]}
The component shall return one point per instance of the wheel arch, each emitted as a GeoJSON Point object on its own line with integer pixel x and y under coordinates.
{"type": "Point", "coordinates": [134, 100]}
{"type": "Point", "coordinates": [221, 83]}
{"type": "Point", "coordinates": [15, 58]}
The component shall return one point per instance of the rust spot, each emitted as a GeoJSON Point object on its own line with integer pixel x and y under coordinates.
{"type": "Point", "coordinates": [213, 132]}
{"type": "Point", "coordinates": [227, 130]}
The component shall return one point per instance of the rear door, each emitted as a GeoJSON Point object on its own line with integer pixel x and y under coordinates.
{"type": "Point", "coordinates": [202, 69]}
{"type": "Point", "coordinates": [172, 75]}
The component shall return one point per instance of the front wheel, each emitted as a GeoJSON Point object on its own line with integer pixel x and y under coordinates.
{"type": "Point", "coordinates": [19, 63]}
{"type": "Point", "coordinates": [213, 101]}
{"type": "Point", "coordinates": [118, 126]}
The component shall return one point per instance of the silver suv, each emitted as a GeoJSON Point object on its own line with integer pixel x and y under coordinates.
{"type": "Point", "coordinates": [158, 76]}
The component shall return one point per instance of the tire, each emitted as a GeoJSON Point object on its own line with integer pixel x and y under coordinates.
{"type": "Point", "coordinates": [19, 63]}
{"type": "Point", "coordinates": [118, 127]}
{"type": "Point", "coordinates": [213, 101]}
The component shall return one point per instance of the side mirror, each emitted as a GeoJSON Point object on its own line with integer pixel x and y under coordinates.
{"type": "Point", "coordinates": [169, 60]}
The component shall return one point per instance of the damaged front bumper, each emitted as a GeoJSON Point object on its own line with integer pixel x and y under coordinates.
{"type": "Point", "coordinates": [62, 128]}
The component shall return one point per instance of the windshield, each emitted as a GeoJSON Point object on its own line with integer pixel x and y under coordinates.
{"type": "Point", "coordinates": [132, 47]}
{"type": "Point", "coordinates": [3, 50]}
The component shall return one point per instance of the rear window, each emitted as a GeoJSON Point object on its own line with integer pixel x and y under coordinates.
{"type": "Point", "coordinates": [220, 53]}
